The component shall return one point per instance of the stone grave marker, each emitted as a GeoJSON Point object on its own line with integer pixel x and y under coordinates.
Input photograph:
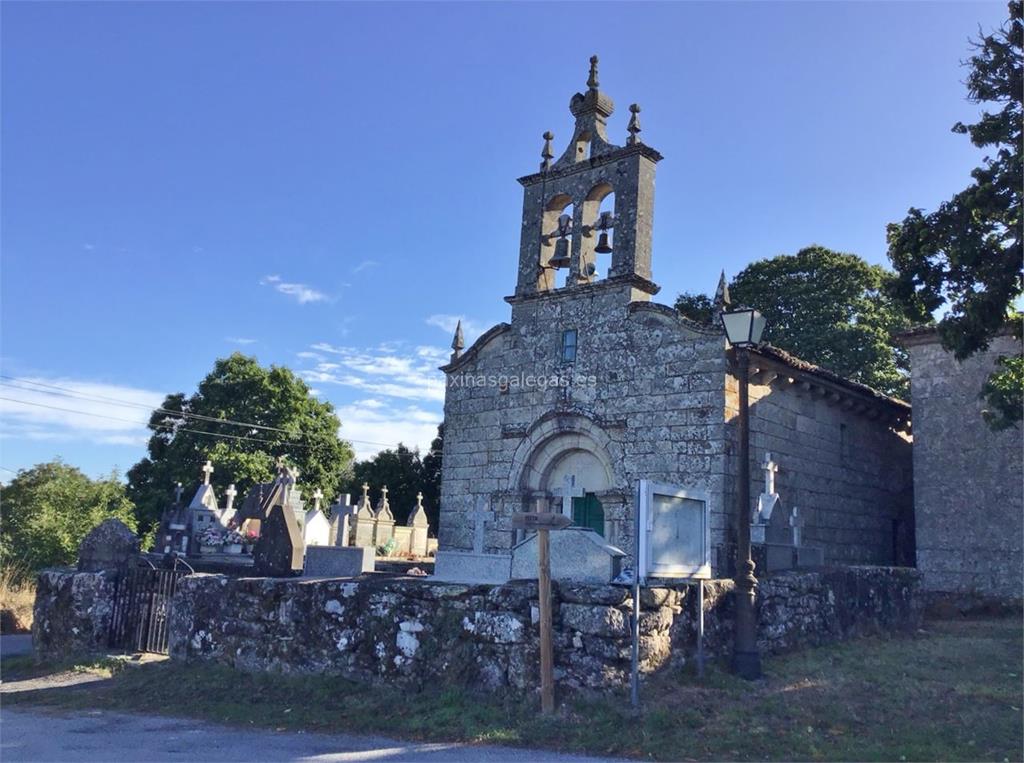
{"type": "Point", "coordinates": [108, 546]}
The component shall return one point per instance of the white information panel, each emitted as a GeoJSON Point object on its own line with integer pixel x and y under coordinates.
{"type": "Point", "coordinates": [675, 536]}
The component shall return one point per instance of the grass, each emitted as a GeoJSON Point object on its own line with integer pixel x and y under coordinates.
{"type": "Point", "coordinates": [953, 692]}
{"type": "Point", "coordinates": [17, 594]}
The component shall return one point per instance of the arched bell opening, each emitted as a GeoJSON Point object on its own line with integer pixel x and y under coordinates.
{"type": "Point", "coordinates": [597, 242]}
{"type": "Point", "coordinates": [555, 240]}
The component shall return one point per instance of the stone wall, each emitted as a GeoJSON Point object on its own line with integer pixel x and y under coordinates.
{"type": "Point", "coordinates": [423, 632]}
{"type": "Point", "coordinates": [72, 612]}
{"type": "Point", "coordinates": [850, 476]}
{"type": "Point", "coordinates": [968, 480]}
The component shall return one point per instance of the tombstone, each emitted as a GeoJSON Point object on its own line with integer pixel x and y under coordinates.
{"type": "Point", "coordinates": [365, 521]}
{"type": "Point", "coordinates": [316, 528]}
{"type": "Point", "coordinates": [420, 527]}
{"type": "Point", "coordinates": [278, 552]}
{"type": "Point", "coordinates": [339, 561]}
{"type": "Point", "coordinates": [108, 546]}
{"type": "Point", "coordinates": [384, 520]}
{"type": "Point", "coordinates": [474, 566]}
{"type": "Point", "coordinates": [341, 519]}
{"type": "Point", "coordinates": [578, 554]}
{"type": "Point", "coordinates": [173, 535]}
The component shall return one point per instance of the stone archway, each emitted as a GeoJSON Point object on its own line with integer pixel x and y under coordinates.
{"type": "Point", "coordinates": [565, 464]}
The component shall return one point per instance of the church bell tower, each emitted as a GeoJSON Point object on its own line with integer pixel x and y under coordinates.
{"type": "Point", "coordinates": [570, 225]}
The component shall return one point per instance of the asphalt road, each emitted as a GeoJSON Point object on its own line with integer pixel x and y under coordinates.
{"type": "Point", "coordinates": [100, 736]}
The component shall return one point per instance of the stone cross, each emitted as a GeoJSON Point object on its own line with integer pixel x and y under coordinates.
{"type": "Point", "coordinates": [231, 493]}
{"type": "Point", "coordinates": [481, 515]}
{"type": "Point", "coordinates": [384, 494]}
{"type": "Point", "coordinates": [318, 496]}
{"type": "Point", "coordinates": [419, 500]}
{"type": "Point", "coordinates": [770, 467]}
{"type": "Point", "coordinates": [207, 471]}
{"type": "Point", "coordinates": [366, 493]}
{"type": "Point", "coordinates": [567, 492]}
{"type": "Point", "coordinates": [178, 490]}
{"type": "Point", "coordinates": [797, 523]}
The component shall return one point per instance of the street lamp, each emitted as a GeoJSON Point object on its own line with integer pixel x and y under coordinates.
{"type": "Point", "coordinates": [744, 327]}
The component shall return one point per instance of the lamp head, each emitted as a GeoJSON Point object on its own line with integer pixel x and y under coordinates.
{"type": "Point", "coordinates": [743, 326]}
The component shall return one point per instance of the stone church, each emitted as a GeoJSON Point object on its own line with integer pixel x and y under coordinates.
{"type": "Point", "coordinates": [592, 386]}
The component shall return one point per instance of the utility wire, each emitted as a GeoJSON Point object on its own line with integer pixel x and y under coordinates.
{"type": "Point", "coordinates": [75, 394]}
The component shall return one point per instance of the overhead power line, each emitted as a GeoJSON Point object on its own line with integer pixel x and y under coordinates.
{"type": "Point", "coordinates": [76, 394]}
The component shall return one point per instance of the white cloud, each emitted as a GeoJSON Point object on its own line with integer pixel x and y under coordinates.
{"type": "Point", "coordinates": [239, 340]}
{"type": "Point", "coordinates": [372, 429]}
{"type": "Point", "coordinates": [365, 265]}
{"type": "Point", "coordinates": [40, 408]}
{"type": "Point", "coordinates": [300, 291]}
{"type": "Point", "coordinates": [471, 329]}
{"type": "Point", "coordinates": [381, 371]}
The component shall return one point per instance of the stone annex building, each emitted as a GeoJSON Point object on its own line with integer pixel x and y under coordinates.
{"type": "Point", "coordinates": [652, 396]}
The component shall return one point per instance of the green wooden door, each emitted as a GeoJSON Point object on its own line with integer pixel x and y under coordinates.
{"type": "Point", "coordinates": [587, 512]}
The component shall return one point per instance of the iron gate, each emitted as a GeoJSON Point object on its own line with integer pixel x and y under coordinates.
{"type": "Point", "coordinates": [142, 606]}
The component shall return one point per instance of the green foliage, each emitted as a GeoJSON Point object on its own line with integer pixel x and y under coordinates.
{"type": "Point", "coordinates": [828, 308]}
{"type": "Point", "coordinates": [405, 473]}
{"type": "Point", "coordinates": [966, 256]}
{"type": "Point", "coordinates": [50, 508]}
{"type": "Point", "coordinates": [1004, 393]}
{"type": "Point", "coordinates": [699, 308]}
{"type": "Point", "coordinates": [290, 422]}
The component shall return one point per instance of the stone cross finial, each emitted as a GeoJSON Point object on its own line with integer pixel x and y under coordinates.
{"type": "Point", "coordinates": [567, 492]}
{"type": "Point", "coordinates": [546, 153]}
{"type": "Point", "coordinates": [231, 493]}
{"type": "Point", "coordinates": [279, 463]}
{"type": "Point", "coordinates": [796, 522]}
{"type": "Point", "coordinates": [207, 471]}
{"type": "Point", "coordinates": [419, 500]}
{"type": "Point", "coordinates": [481, 515]}
{"type": "Point", "coordinates": [769, 467]}
{"type": "Point", "coordinates": [366, 491]}
{"type": "Point", "coordinates": [634, 125]}
{"type": "Point", "coordinates": [318, 495]}
{"type": "Point", "coordinates": [592, 82]}
{"type": "Point", "coordinates": [178, 490]}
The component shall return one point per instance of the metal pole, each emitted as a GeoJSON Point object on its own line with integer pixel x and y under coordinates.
{"type": "Point", "coordinates": [700, 629]}
{"type": "Point", "coordinates": [746, 660]}
{"type": "Point", "coordinates": [634, 688]}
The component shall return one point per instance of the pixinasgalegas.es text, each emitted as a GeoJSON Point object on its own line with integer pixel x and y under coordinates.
{"type": "Point", "coordinates": [521, 380]}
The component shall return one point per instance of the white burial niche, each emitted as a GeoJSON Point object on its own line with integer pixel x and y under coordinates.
{"type": "Point", "coordinates": [675, 534]}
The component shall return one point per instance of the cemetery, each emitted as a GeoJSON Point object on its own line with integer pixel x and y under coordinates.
{"type": "Point", "coordinates": [686, 501]}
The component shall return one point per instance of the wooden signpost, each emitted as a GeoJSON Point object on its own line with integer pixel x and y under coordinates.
{"type": "Point", "coordinates": [543, 523]}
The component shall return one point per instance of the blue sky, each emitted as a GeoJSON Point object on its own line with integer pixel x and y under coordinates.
{"type": "Point", "coordinates": [329, 185]}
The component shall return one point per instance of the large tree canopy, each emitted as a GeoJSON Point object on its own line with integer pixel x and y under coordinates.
{"type": "Point", "coordinates": [828, 308]}
{"type": "Point", "coordinates": [50, 508]}
{"type": "Point", "coordinates": [280, 417]}
{"type": "Point", "coordinates": [965, 258]}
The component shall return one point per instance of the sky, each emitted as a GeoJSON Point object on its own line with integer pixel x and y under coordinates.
{"type": "Point", "coordinates": [331, 186]}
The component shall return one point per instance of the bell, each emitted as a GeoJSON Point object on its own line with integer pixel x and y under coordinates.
{"type": "Point", "coordinates": [560, 259]}
{"type": "Point", "coordinates": [602, 244]}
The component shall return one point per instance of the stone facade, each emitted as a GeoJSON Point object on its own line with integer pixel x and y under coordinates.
{"type": "Point", "coordinates": [631, 390]}
{"type": "Point", "coordinates": [968, 480]}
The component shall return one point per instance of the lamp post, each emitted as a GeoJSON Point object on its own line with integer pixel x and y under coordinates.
{"type": "Point", "coordinates": [743, 327]}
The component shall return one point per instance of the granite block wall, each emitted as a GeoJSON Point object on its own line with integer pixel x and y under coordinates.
{"type": "Point", "coordinates": [968, 480]}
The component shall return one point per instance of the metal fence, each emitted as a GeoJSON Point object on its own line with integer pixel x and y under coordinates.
{"type": "Point", "coordinates": [142, 607]}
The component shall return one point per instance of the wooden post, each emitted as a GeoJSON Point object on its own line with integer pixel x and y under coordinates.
{"type": "Point", "coordinates": [543, 523]}
{"type": "Point", "coordinates": [547, 669]}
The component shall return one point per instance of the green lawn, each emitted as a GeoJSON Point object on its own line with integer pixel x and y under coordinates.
{"type": "Point", "coordinates": [953, 692]}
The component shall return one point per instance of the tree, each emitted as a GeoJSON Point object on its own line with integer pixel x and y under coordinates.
{"type": "Point", "coordinates": [966, 257]}
{"type": "Point", "coordinates": [280, 417]}
{"type": "Point", "coordinates": [432, 478]}
{"type": "Point", "coordinates": [828, 308]}
{"type": "Point", "coordinates": [50, 508]}
{"type": "Point", "coordinates": [699, 308]}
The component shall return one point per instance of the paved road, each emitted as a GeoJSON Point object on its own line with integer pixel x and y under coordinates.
{"type": "Point", "coordinates": [30, 735]}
